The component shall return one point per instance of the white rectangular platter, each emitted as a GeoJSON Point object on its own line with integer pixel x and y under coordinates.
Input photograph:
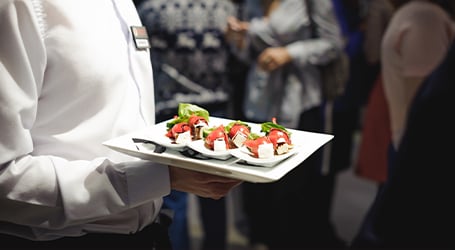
{"type": "Point", "coordinates": [306, 143]}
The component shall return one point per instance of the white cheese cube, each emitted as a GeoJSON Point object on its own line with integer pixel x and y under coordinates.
{"type": "Point", "coordinates": [266, 151]}
{"type": "Point", "coordinates": [238, 139]}
{"type": "Point", "coordinates": [219, 145]}
{"type": "Point", "coordinates": [282, 148]}
{"type": "Point", "coordinates": [281, 140]}
{"type": "Point", "coordinates": [183, 138]}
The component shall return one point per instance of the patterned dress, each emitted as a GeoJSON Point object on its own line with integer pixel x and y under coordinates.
{"type": "Point", "coordinates": [189, 53]}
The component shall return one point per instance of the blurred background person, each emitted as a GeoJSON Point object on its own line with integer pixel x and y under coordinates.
{"type": "Point", "coordinates": [284, 57]}
{"type": "Point", "coordinates": [346, 111]}
{"type": "Point", "coordinates": [415, 208]}
{"type": "Point", "coordinates": [414, 44]}
{"type": "Point", "coordinates": [375, 136]}
{"type": "Point", "coordinates": [190, 56]}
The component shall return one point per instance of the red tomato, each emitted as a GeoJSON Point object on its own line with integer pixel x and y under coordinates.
{"type": "Point", "coordinates": [253, 145]}
{"type": "Point", "coordinates": [239, 128]}
{"type": "Point", "coordinates": [196, 123]}
{"type": "Point", "coordinates": [194, 119]}
{"type": "Point", "coordinates": [217, 133]}
{"type": "Point", "coordinates": [178, 129]}
{"type": "Point", "coordinates": [276, 134]}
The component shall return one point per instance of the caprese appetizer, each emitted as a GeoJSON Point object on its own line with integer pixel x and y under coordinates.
{"type": "Point", "coordinates": [197, 125]}
{"type": "Point", "coordinates": [180, 133]}
{"type": "Point", "coordinates": [278, 135]}
{"type": "Point", "coordinates": [190, 122]}
{"type": "Point", "coordinates": [276, 141]}
{"type": "Point", "coordinates": [238, 132]}
{"type": "Point", "coordinates": [217, 139]}
{"type": "Point", "coordinates": [260, 147]}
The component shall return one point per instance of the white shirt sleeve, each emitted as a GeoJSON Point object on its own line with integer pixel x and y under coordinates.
{"type": "Point", "coordinates": [56, 178]}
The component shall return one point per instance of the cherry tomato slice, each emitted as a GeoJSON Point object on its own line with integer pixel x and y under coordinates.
{"type": "Point", "coordinates": [178, 129]}
{"type": "Point", "coordinates": [216, 134]}
{"type": "Point", "coordinates": [253, 145]}
{"type": "Point", "coordinates": [276, 136]}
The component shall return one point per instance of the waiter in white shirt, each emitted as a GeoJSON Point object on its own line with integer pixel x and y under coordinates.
{"type": "Point", "coordinates": [72, 75]}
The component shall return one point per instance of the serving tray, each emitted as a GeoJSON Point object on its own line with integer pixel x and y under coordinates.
{"type": "Point", "coordinates": [148, 144]}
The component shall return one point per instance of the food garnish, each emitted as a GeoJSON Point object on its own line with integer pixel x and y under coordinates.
{"type": "Point", "coordinates": [192, 116]}
{"type": "Point", "coordinates": [217, 139]}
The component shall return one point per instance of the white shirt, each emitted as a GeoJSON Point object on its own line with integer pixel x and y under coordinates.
{"type": "Point", "coordinates": [71, 78]}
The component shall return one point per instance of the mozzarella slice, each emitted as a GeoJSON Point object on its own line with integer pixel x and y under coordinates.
{"type": "Point", "coordinates": [238, 139]}
{"type": "Point", "coordinates": [282, 148]}
{"type": "Point", "coordinates": [266, 151]}
{"type": "Point", "coordinates": [183, 138]}
{"type": "Point", "coordinates": [219, 145]}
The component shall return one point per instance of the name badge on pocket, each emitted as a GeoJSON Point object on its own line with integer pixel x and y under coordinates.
{"type": "Point", "coordinates": [141, 39]}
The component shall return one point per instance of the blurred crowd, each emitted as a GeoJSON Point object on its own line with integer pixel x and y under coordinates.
{"type": "Point", "coordinates": [77, 75]}
{"type": "Point", "coordinates": [253, 60]}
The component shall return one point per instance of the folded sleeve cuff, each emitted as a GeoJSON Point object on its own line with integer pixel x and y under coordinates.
{"type": "Point", "coordinates": [146, 181]}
